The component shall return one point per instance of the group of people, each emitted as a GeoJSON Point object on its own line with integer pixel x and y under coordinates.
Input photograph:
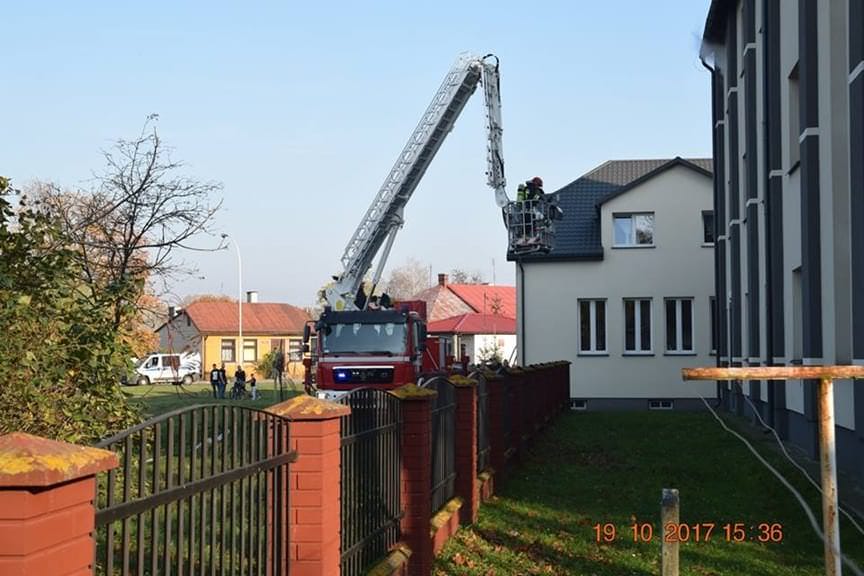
{"type": "Point", "coordinates": [219, 381]}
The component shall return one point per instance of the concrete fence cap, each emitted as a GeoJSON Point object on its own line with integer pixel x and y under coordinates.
{"type": "Point", "coordinates": [33, 461]}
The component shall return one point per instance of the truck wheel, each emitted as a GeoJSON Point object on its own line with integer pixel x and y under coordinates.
{"type": "Point", "coordinates": [188, 379]}
{"type": "Point", "coordinates": [142, 381]}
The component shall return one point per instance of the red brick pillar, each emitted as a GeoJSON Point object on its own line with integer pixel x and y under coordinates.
{"type": "Point", "coordinates": [467, 484]}
{"type": "Point", "coordinates": [46, 505]}
{"type": "Point", "coordinates": [315, 484]}
{"type": "Point", "coordinates": [417, 475]}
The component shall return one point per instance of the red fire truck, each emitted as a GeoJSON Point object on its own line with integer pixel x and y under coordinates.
{"type": "Point", "coordinates": [362, 340]}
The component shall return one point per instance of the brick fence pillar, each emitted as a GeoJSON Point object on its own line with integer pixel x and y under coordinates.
{"type": "Point", "coordinates": [46, 505]}
{"type": "Point", "coordinates": [417, 475]}
{"type": "Point", "coordinates": [467, 484]}
{"type": "Point", "coordinates": [315, 486]}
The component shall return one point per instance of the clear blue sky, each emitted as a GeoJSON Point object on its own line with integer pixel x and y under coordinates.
{"type": "Point", "coordinates": [300, 109]}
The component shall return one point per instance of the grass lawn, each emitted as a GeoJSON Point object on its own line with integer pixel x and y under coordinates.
{"type": "Point", "coordinates": [157, 399]}
{"type": "Point", "coordinates": [610, 468]}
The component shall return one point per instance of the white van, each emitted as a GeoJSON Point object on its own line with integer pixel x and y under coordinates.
{"type": "Point", "coordinates": [174, 368]}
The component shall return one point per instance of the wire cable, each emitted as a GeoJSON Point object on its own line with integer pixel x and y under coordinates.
{"type": "Point", "coordinates": [799, 466]}
{"type": "Point", "coordinates": [810, 516]}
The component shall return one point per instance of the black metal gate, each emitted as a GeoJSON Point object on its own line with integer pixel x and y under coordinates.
{"type": "Point", "coordinates": [443, 442]}
{"type": "Point", "coordinates": [202, 490]}
{"type": "Point", "coordinates": [371, 478]}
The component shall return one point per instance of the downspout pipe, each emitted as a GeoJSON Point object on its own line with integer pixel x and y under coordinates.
{"type": "Point", "coordinates": [717, 264]}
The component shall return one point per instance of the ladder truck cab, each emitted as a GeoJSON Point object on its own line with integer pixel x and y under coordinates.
{"type": "Point", "coordinates": [386, 346]}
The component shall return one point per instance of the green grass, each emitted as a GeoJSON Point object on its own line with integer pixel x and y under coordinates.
{"type": "Point", "coordinates": [156, 399]}
{"type": "Point", "coordinates": [599, 468]}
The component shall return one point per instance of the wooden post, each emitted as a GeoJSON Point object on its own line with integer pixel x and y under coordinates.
{"type": "Point", "coordinates": [828, 458]}
{"type": "Point", "coordinates": [669, 514]}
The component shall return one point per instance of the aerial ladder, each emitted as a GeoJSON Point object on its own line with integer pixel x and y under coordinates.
{"type": "Point", "coordinates": [530, 227]}
{"type": "Point", "coordinates": [357, 345]}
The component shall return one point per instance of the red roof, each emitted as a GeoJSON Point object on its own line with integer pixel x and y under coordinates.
{"type": "Point", "coordinates": [258, 318]}
{"type": "Point", "coordinates": [474, 324]}
{"type": "Point", "coordinates": [485, 299]}
{"type": "Point", "coordinates": [446, 300]}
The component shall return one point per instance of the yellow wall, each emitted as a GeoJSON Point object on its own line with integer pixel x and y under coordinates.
{"type": "Point", "coordinates": [212, 354]}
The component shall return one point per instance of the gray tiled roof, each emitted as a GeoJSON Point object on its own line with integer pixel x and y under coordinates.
{"type": "Point", "coordinates": [578, 233]}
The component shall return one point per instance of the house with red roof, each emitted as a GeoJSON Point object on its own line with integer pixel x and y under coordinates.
{"type": "Point", "coordinates": [212, 330]}
{"type": "Point", "coordinates": [472, 320]}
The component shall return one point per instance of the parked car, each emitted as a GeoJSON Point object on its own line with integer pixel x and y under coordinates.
{"type": "Point", "coordinates": [174, 368]}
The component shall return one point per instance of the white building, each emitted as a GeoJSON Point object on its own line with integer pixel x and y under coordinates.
{"type": "Point", "coordinates": [788, 95]}
{"type": "Point", "coordinates": [627, 291]}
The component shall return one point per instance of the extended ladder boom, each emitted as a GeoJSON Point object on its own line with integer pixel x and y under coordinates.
{"type": "Point", "coordinates": [384, 217]}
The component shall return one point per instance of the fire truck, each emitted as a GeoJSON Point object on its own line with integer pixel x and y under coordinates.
{"type": "Point", "coordinates": [363, 340]}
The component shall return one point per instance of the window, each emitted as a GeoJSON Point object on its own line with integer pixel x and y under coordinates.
{"type": "Point", "coordinates": [794, 120]}
{"type": "Point", "coordinates": [633, 230]}
{"type": "Point", "coordinates": [228, 350]}
{"type": "Point", "coordinates": [708, 227]}
{"type": "Point", "coordinates": [713, 324]}
{"type": "Point", "coordinates": [592, 326]}
{"type": "Point", "coordinates": [172, 362]}
{"type": "Point", "coordinates": [679, 326]}
{"type": "Point", "coordinates": [295, 350]}
{"type": "Point", "coordinates": [661, 404]}
{"type": "Point", "coordinates": [637, 326]}
{"type": "Point", "coordinates": [576, 404]}
{"type": "Point", "coordinates": [250, 350]}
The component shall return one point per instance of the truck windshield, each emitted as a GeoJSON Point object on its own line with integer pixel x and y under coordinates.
{"type": "Point", "coordinates": [386, 339]}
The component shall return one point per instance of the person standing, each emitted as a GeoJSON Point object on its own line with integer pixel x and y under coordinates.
{"type": "Point", "coordinates": [278, 367]}
{"type": "Point", "coordinates": [215, 378]}
{"type": "Point", "coordinates": [223, 381]}
{"type": "Point", "coordinates": [253, 385]}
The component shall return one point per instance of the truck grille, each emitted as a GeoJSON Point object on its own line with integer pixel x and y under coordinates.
{"type": "Point", "coordinates": [362, 375]}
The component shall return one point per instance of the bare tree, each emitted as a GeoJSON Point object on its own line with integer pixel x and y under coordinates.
{"type": "Point", "coordinates": [129, 228]}
{"type": "Point", "coordinates": [460, 276]}
{"type": "Point", "coordinates": [407, 280]}
{"type": "Point", "coordinates": [193, 298]}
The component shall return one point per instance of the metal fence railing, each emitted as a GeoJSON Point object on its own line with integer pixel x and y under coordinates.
{"type": "Point", "coordinates": [371, 478]}
{"type": "Point", "coordinates": [443, 442]}
{"type": "Point", "coordinates": [483, 447]}
{"type": "Point", "coordinates": [199, 490]}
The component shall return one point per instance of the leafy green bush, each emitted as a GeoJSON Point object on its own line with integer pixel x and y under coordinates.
{"type": "Point", "coordinates": [59, 356]}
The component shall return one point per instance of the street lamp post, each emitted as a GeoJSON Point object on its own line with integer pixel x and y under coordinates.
{"type": "Point", "coordinates": [239, 300]}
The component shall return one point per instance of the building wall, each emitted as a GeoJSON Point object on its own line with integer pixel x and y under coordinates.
{"type": "Point", "coordinates": [179, 335]}
{"type": "Point", "coordinates": [475, 344]}
{"type": "Point", "coordinates": [212, 353]}
{"type": "Point", "coordinates": [794, 116]}
{"type": "Point", "coordinates": [677, 266]}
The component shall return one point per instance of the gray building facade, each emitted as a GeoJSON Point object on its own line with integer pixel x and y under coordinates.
{"type": "Point", "coordinates": [788, 113]}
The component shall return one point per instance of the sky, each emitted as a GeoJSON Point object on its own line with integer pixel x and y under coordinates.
{"type": "Point", "coordinates": [300, 110]}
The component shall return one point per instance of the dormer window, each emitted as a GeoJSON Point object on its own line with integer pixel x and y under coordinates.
{"type": "Point", "coordinates": [633, 230]}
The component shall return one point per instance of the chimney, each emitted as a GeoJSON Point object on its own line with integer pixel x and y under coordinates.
{"type": "Point", "coordinates": [171, 312]}
{"type": "Point", "coordinates": [252, 297]}
{"type": "Point", "coordinates": [442, 279]}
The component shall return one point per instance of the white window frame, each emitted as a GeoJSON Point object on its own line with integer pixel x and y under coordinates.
{"type": "Point", "coordinates": [631, 216]}
{"type": "Point", "coordinates": [223, 349]}
{"type": "Point", "coordinates": [637, 317]}
{"type": "Point", "coordinates": [253, 348]}
{"type": "Point", "coordinates": [592, 323]}
{"type": "Point", "coordinates": [679, 322]}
